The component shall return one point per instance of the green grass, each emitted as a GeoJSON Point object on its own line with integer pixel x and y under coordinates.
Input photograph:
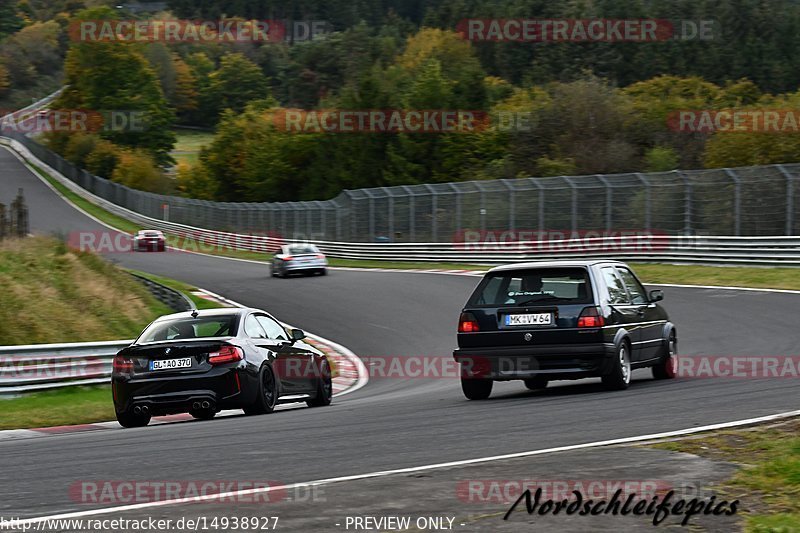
{"type": "Point", "coordinates": [179, 286]}
{"type": "Point", "coordinates": [765, 278]}
{"type": "Point", "coordinates": [83, 297]}
{"type": "Point", "coordinates": [768, 484]}
{"type": "Point", "coordinates": [70, 406]}
{"type": "Point", "coordinates": [189, 143]}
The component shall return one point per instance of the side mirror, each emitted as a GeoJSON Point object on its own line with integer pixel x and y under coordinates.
{"type": "Point", "coordinates": [298, 335]}
{"type": "Point", "coordinates": [656, 296]}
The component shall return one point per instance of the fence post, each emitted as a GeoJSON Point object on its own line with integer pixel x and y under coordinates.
{"type": "Point", "coordinates": [371, 217]}
{"type": "Point", "coordinates": [512, 205]}
{"type": "Point", "coordinates": [482, 207]}
{"type": "Point", "coordinates": [737, 201]}
{"type": "Point", "coordinates": [789, 199]}
{"type": "Point", "coordinates": [687, 203]}
{"type": "Point", "coordinates": [574, 202]}
{"type": "Point", "coordinates": [648, 207]}
{"type": "Point", "coordinates": [609, 201]}
{"type": "Point", "coordinates": [3, 222]}
{"type": "Point", "coordinates": [434, 210]}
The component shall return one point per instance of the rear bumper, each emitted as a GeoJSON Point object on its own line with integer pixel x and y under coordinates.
{"type": "Point", "coordinates": [571, 361]}
{"type": "Point", "coordinates": [149, 246]}
{"type": "Point", "coordinates": [312, 265]}
{"type": "Point", "coordinates": [225, 388]}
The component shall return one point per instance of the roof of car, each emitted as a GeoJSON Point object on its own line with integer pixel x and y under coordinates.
{"type": "Point", "coordinates": [211, 312]}
{"type": "Point", "coordinates": [555, 264]}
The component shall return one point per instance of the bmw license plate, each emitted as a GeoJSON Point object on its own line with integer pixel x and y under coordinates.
{"type": "Point", "coordinates": [171, 364]}
{"type": "Point", "coordinates": [533, 319]}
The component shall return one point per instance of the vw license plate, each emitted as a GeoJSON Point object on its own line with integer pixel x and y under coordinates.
{"type": "Point", "coordinates": [171, 364]}
{"type": "Point", "coordinates": [535, 319]}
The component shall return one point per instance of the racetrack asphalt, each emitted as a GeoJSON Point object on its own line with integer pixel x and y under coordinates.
{"type": "Point", "coordinates": [391, 423]}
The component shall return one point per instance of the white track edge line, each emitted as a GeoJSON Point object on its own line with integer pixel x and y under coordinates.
{"type": "Point", "coordinates": [415, 469]}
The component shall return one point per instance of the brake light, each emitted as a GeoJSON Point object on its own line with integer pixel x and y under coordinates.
{"type": "Point", "coordinates": [591, 318]}
{"type": "Point", "coordinates": [287, 257]}
{"type": "Point", "coordinates": [320, 256]}
{"type": "Point", "coordinates": [467, 323]}
{"type": "Point", "coordinates": [122, 365]}
{"type": "Point", "coordinates": [226, 354]}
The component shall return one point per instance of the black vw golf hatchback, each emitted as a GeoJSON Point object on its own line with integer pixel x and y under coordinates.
{"type": "Point", "coordinates": [545, 321]}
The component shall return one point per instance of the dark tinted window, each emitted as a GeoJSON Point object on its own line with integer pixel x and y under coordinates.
{"type": "Point", "coordinates": [299, 249]}
{"type": "Point", "coordinates": [191, 328]}
{"type": "Point", "coordinates": [534, 286]}
{"type": "Point", "coordinates": [616, 289]}
{"type": "Point", "coordinates": [638, 294]}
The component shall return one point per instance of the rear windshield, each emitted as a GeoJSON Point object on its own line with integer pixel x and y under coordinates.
{"type": "Point", "coordinates": [191, 328]}
{"type": "Point", "coordinates": [302, 249]}
{"type": "Point", "coordinates": [538, 286]}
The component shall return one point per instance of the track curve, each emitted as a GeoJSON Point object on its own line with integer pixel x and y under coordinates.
{"type": "Point", "coordinates": [390, 423]}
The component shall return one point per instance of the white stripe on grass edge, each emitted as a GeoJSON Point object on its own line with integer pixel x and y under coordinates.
{"type": "Point", "coordinates": [363, 373]}
{"type": "Point", "coordinates": [411, 470]}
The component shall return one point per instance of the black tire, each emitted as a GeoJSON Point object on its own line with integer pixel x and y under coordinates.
{"type": "Point", "coordinates": [267, 397]}
{"type": "Point", "coordinates": [203, 414]}
{"type": "Point", "coordinates": [324, 387]}
{"type": "Point", "coordinates": [272, 271]}
{"type": "Point", "coordinates": [323, 272]}
{"type": "Point", "coordinates": [537, 383]}
{"type": "Point", "coordinates": [131, 420]}
{"type": "Point", "coordinates": [667, 366]}
{"type": "Point", "coordinates": [620, 376]}
{"type": "Point", "coordinates": [476, 389]}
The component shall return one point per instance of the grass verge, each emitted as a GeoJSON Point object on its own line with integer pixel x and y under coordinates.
{"type": "Point", "coordinates": [768, 484]}
{"type": "Point", "coordinates": [185, 288]}
{"type": "Point", "coordinates": [44, 283]}
{"type": "Point", "coordinates": [70, 406]}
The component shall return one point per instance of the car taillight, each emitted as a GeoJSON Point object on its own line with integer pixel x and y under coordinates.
{"type": "Point", "coordinates": [320, 256]}
{"type": "Point", "coordinates": [467, 323]}
{"type": "Point", "coordinates": [591, 318]}
{"type": "Point", "coordinates": [122, 365]}
{"type": "Point", "coordinates": [226, 354]}
{"type": "Point", "coordinates": [287, 258]}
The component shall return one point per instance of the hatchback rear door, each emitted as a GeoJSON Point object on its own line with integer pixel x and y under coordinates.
{"type": "Point", "coordinates": [530, 307]}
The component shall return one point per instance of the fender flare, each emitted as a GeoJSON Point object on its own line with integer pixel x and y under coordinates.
{"type": "Point", "coordinates": [622, 334]}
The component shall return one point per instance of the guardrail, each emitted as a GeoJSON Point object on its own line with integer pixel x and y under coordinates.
{"type": "Point", "coordinates": [175, 300]}
{"type": "Point", "coordinates": [41, 367]}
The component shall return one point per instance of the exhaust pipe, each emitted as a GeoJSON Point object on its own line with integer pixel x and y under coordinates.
{"type": "Point", "coordinates": [206, 405]}
{"type": "Point", "coordinates": [145, 410]}
{"type": "Point", "coordinates": [137, 410]}
{"type": "Point", "coordinates": [196, 406]}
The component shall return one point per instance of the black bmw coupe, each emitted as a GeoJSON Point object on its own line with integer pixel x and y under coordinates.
{"type": "Point", "coordinates": [202, 362]}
